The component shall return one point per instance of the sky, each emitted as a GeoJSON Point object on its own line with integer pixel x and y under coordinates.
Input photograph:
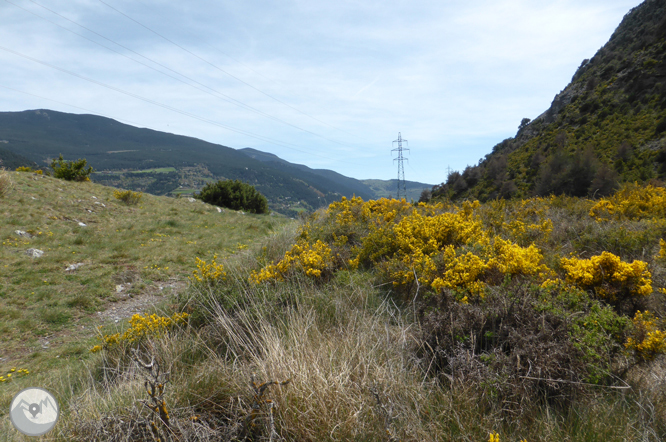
{"type": "Point", "coordinates": [328, 84]}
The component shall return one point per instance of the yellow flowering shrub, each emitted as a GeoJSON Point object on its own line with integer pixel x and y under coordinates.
{"type": "Point", "coordinates": [142, 326]}
{"type": "Point", "coordinates": [522, 221]}
{"type": "Point", "coordinates": [208, 273]}
{"type": "Point", "coordinates": [444, 246]}
{"type": "Point", "coordinates": [632, 202]}
{"type": "Point", "coordinates": [662, 250]}
{"type": "Point", "coordinates": [608, 276]}
{"type": "Point", "coordinates": [29, 169]}
{"type": "Point", "coordinates": [511, 259]}
{"type": "Point", "coordinates": [648, 340]}
{"type": "Point", "coordinates": [312, 259]}
{"type": "Point", "coordinates": [462, 272]}
{"type": "Point", "coordinates": [127, 196]}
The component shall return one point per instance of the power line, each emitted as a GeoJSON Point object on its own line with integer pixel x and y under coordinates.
{"type": "Point", "coordinates": [401, 167]}
{"type": "Point", "coordinates": [164, 106]}
{"type": "Point", "coordinates": [220, 69]}
{"type": "Point", "coordinates": [215, 93]}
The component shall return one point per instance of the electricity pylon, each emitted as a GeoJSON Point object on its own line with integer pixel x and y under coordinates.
{"type": "Point", "coordinates": [401, 168]}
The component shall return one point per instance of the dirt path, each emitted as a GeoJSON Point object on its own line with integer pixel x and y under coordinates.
{"type": "Point", "coordinates": [128, 304]}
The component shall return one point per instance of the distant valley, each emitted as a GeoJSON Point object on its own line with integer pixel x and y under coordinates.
{"type": "Point", "coordinates": [162, 163]}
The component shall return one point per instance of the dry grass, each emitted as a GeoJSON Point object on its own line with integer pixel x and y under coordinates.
{"type": "Point", "coordinates": [348, 354]}
{"type": "Point", "coordinates": [5, 182]}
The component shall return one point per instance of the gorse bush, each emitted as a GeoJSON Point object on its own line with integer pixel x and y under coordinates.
{"type": "Point", "coordinates": [234, 195]}
{"type": "Point", "coordinates": [632, 202]}
{"type": "Point", "coordinates": [648, 340]}
{"type": "Point", "coordinates": [608, 276]}
{"type": "Point", "coordinates": [314, 260]}
{"type": "Point", "coordinates": [208, 273]}
{"type": "Point", "coordinates": [29, 169]}
{"type": "Point", "coordinates": [71, 170]}
{"type": "Point", "coordinates": [465, 261]}
{"type": "Point", "coordinates": [141, 326]}
{"type": "Point", "coordinates": [128, 197]}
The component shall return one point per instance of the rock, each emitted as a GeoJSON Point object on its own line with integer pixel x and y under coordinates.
{"type": "Point", "coordinates": [120, 288]}
{"type": "Point", "coordinates": [82, 224]}
{"type": "Point", "coordinates": [33, 197]}
{"type": "Point", "coordinates": [219, 210]}
{"type": "Point", "coordinates": [94, 197]}
{"type": "Point", "coordinates": [192, 200]}
{"type": "Point", "coordinates": [23, 234]}
{"type": "Point", "coordinates": [35, 253]}
{"type": "Point", "coordinates": [100, 204]}
{"type": "Point", "coordinates": [73, 267]}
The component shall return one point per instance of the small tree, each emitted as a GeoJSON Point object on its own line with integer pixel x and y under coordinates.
{"type": "Point", "coordinates": [71, 170]}
{"type": "Point", "coordinates": [234, 195]}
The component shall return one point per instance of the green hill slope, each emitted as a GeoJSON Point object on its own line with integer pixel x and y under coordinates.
{"type": "Point", "coordinates": [126, 258]}
{"type": "Point", "coordinates": [116, 149]}
{"type": "Point", "coordinates": [607, 126]}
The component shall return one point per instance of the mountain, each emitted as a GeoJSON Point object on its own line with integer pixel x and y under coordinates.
{"type": "Point", "coordinates": [161, 163]}
{"type": "Point", "coordinates": [608, 126]}
{"type": "Point", "coordinates": [10, 160]}
{"type": "Point", "coordinates": [389, 188]}
{"type": "Point", "coordinates": [346, 184]}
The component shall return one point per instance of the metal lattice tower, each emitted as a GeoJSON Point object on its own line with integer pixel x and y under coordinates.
{"type": "Point", "coordinates": [401, 168]}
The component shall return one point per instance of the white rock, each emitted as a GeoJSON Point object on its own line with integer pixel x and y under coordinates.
{"type": "Point", "coordinates": [23, 234]}
{"type": "Point", "coordinates": [94, 197]}
{"type": "Point", "coordinates": [33, 197]}
{"type": "Point", "coordinates": [192, 200]}
{"type": "Point", "coordinates": [219, 210]}
{"type": "Point", "coordinates": [120, 288]}
{"type": "Point", "coordinates": [82, 224]}
{"type": "Point", "coordinates": [73, 267]}
{"type": "Point", "coordinates": [35, 253]}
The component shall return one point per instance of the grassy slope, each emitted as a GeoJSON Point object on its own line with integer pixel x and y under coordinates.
{"type": "Point", "coordinates": [149, 244]}
{"type": "Point", "coordinates": [348, 350]}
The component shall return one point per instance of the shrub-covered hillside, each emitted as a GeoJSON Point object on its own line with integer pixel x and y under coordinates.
{"type": "Point", "coordinates": [607, 126]}
{"type": "Point", "coordinates": [539, 319]}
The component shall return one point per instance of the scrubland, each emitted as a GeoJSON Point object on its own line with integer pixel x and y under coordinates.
{"type": "Point", "coordinates": [537, 320]}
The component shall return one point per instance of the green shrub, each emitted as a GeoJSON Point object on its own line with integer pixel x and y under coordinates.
{"type": "Point", "coordinates": [234, 195]}
{"type": "Point", "coordinates": [71, 170]}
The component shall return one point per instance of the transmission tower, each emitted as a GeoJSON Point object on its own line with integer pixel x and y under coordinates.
{"type": "Point", "coordinates": [401, 168]}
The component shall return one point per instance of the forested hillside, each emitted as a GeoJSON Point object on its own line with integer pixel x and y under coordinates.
{"type": "Point", "coordinates": [608, 126]}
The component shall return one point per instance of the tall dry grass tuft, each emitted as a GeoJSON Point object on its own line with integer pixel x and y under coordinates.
{"type": "Point", "coordinates": [5, 182]}
{"type": "Point", "coordinates": [337, 366]}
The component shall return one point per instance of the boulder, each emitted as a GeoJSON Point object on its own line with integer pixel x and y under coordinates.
{"type": "Point", "coordinates": [35, 253]}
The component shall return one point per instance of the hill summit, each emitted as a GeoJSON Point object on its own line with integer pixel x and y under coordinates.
{"type": "Point", "coordinates": [608, 126]}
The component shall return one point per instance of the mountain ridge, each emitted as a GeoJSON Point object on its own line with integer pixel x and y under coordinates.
{"type": "Point", "coordinates": [116, 148]}
{"type": "Point", "coordinates": [606, 127]}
